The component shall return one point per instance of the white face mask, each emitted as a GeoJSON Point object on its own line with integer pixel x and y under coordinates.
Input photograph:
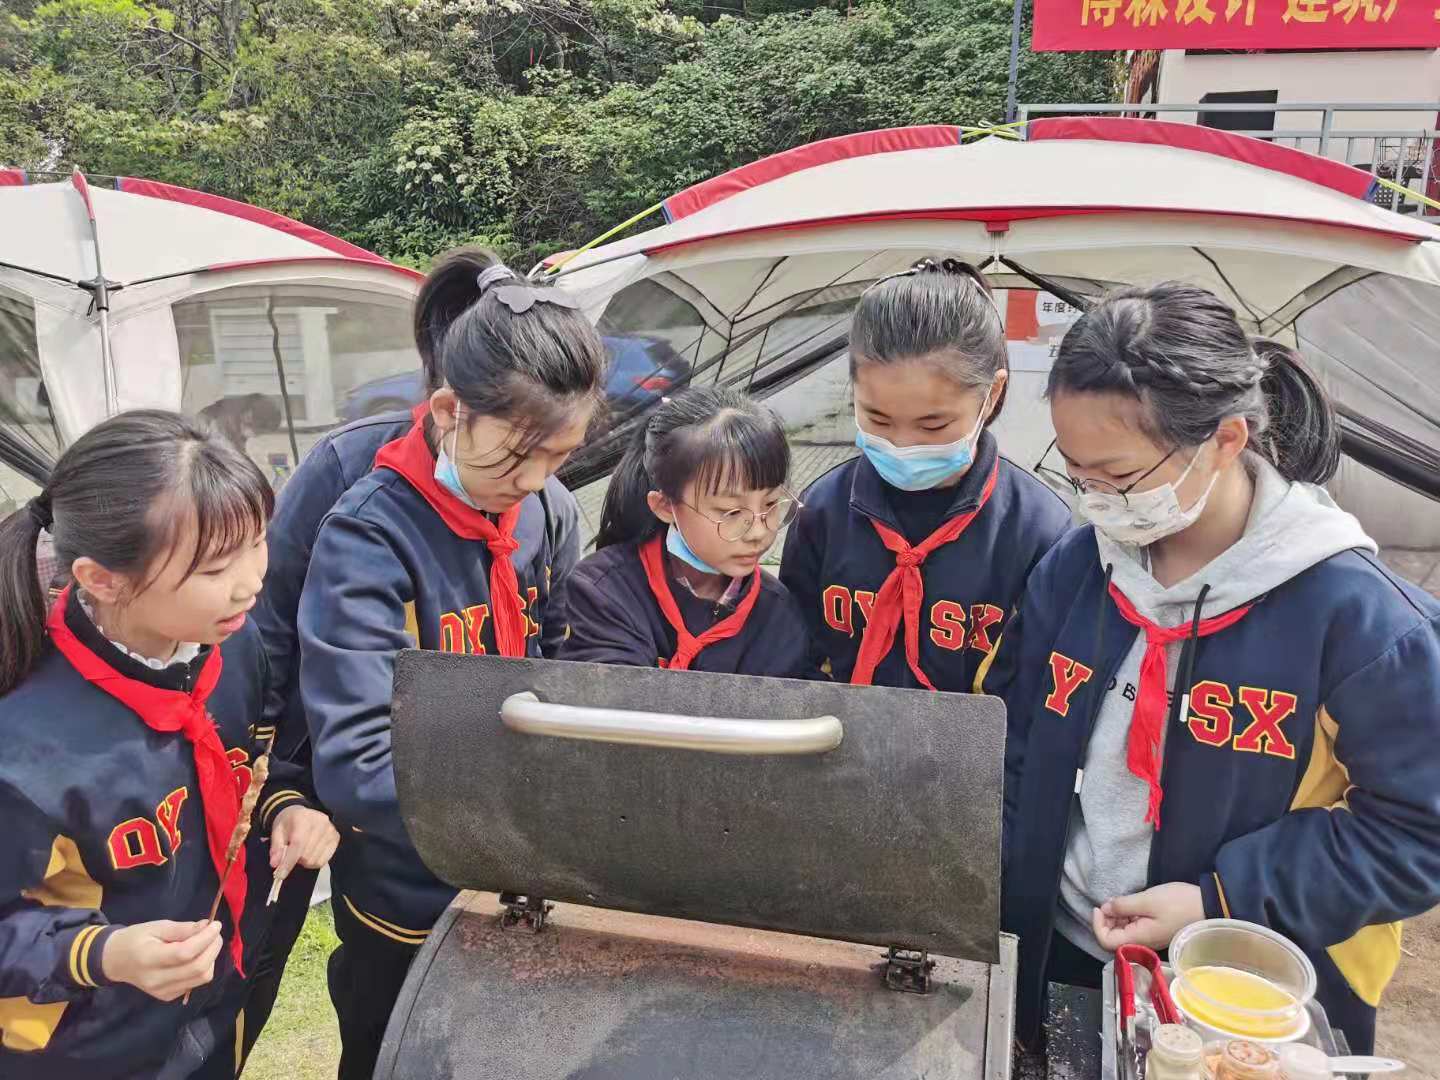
{"type": "Point", "coordinates": [1144, 517]}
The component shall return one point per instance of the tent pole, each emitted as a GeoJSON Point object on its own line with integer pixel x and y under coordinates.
{"type": "Point", "coordinates": [280, 373]}
{"type": "Point", "coordinates": [99, 289]}
{"type": "Point", "coordinates": [1012, 87]}
{"type": "Point", "coordinates": [112, 400]}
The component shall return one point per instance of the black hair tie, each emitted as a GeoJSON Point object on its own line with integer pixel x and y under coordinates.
{"type": "Point", "coordinates": [492, 275]}
{"type": "Point", "coordinates": [40, 511]}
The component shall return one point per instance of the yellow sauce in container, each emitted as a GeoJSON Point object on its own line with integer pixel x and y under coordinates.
{"type": "Point", "coordinates": [1239, 1002]}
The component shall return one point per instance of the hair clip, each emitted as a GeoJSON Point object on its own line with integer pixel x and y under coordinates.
{"type": "Point", "coordinates": [521, 298]}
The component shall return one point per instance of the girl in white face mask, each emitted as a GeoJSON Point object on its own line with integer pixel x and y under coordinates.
{"type": "Point", "coordinates": [1220, 703]}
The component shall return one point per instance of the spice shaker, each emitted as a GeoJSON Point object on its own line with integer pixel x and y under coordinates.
{"type": "Point", "coordinates": [1176, 1053]}
{"type": "Point", "coordinates": [1243, 1060]}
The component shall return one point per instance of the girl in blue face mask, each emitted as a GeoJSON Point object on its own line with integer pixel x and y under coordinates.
{"type": "Point", "coordinates": [676, 581]}
{"type": "Point", "coordinates": [907, 560]}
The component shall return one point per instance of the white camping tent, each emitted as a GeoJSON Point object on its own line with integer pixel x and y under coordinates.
{"type": "Point", "coordinates": [143, 294]}
{"type": "Point", "coordinates": [754, 275]}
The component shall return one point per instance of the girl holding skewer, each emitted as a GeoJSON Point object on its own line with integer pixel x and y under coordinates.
{"type": "Point", "coordinates": [126, 714]}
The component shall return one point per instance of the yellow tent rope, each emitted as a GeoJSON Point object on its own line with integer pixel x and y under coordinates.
{"type": "Point", "coordinates": [1002, 131]}
{"type": "Point", "coordinates": [1409, 193]}
{"type": "Point", "coordinates": [605, 236]}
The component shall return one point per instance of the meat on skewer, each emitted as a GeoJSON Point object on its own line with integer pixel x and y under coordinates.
{"type": "Point", "coordinates": [259, 773]}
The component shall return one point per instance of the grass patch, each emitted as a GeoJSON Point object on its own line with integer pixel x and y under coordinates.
{"type": "Point", "coordinates": [302, 1039]}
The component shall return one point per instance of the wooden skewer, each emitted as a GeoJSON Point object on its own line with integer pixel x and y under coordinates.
{"type": "Point", "coordinates": [259, 773]}
{"type": "Point", "coordinates": [276, 885]}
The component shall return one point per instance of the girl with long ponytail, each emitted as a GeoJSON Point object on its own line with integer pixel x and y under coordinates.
{"type": "Point", "coordinates": [698, 499]}
{"type": "Point", "coordinates": [1221, 703]}
{"type": "Point", "coordinates": [340, 460]}
{"type": "Point", "coordinates": [127, 713]}
{"type": "Point", "coordinates": [446, 545]}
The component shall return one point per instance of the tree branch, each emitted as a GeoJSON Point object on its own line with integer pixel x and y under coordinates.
{"type": "Point", "coordinates": [173, 36]}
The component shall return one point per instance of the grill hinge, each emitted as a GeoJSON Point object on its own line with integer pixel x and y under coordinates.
{"type": "Point", "coordinates": [908, 970]}
{"type": "Point", "coordinates": [529, 911]}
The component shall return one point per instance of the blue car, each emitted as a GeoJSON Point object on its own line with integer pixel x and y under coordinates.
{"type": "Point", "coordinates": [641, 370]}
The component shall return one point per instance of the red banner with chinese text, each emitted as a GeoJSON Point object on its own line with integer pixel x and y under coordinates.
{"type": "Point", "coordinates": [1099, 25]}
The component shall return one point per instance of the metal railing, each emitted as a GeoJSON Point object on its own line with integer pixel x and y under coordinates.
{"type": "Point", "coordinates": [1406, 156]}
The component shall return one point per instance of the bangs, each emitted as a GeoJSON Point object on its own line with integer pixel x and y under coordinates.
{"type": "Point", "coordinates": [223, 498]}
{"type": "Point", "coordinates": [736, 452]}
{"type": "Point", "coordinates": [534, 414]}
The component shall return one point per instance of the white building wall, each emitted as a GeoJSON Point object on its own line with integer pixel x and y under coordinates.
{"type": "Point", "coordinates": [1313, 77]}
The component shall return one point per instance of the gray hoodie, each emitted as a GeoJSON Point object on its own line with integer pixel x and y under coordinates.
{"type": "Point", "coordinates": [1291, 528]}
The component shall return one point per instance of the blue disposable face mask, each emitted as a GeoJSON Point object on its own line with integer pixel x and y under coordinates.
{"type": "Point", "coordinates": [920, 468]}
{"type": "Point", "coordinates": [676, 545]}
{"type": "Point", "coordinates": [446, 473]}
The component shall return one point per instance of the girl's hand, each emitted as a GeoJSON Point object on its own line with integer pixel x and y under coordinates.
{"type": "Point", "coordinates": [1152, 917]}
{"type": "Point", "coordinates": [163, 958]}
{"type": "Point", "coordinates": [300, 835]}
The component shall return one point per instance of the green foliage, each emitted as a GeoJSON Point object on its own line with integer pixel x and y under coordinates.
{"type": "Point", "coordinates": [302, 1039]}
{"type": "Point", "coordinates": [409, 126]}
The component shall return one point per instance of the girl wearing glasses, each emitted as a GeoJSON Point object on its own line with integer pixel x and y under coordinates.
{"type": "Point", "coordinates": [1221, 703]}
{"type": "Point", "coordinates": [907, 561]}
{"type": "Point", "coordinates": [443, 546]}
{"type": "Point", "coordinates": [676, 581]}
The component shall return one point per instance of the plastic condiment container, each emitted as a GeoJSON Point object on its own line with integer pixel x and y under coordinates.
{"type": "Point", "coordinates": [1241, 1059]}
{"type": "Point", "coordinates": [1176, 1053]}
{"type": "Point", "coordinates": [1301, 1062]}
{"type": "Point", "coordinates": [1239, 980]}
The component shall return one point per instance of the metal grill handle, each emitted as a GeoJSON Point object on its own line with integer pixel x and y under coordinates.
{"type": "Point", "coordinates": [527, 714]}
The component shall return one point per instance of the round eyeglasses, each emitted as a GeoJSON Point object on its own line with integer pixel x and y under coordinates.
{"type": "Point", "coordinates": [735, 525]}
{"type": "Point", "coordinates": [1065, 484]}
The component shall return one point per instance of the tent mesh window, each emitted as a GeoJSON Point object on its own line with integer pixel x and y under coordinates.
{"type": "Point", "coordinates": [29, 443]}
{"type": "Point", "coordinates": [275, 368]}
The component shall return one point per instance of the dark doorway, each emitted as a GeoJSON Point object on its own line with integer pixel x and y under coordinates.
{"type": "Point", "coordinates": [1241, 121]}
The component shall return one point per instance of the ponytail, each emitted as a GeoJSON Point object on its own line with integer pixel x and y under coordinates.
{"type": "Point", "coordinates": [510, 348]}
{"type": "Point", "coordinates": [447, 292]}
{"type": "Point", "coordinates": [1303, 435]}
{"type": "Point", "coordinates": [22, 596]}
{"type": "Point", "coordinates": [626, 517]}
{"type": "Point", "coordinates": [1181, 352]}
{"type": "Point", "coordinates": [712, 437]}
{"type": "Point", "coordinates": [124, 494]}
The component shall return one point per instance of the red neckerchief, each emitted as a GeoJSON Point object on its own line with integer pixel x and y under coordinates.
{"type": "Point", "coordinates": [1142, 754]}
{"type": "Point", "coordinates": [410, 456]}
{"type": "Point", "coordinates": [175, 710]}
{"type": "Point", "coordinates": [688, 646]}
{"type": "Point", "coordinates": [907, 586]}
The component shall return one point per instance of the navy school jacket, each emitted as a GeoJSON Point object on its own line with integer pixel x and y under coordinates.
{"type": "Point", "coordinates": [335, 464]}
{"type": "Point", "coordinates": [1302, 792]}
{"type": "Point", "coordinates": [835, 563]}
{"type": "Point", "coordinates": [389, 573]}
{"type": "Point", "coordinates": [613, 618]}
{"type": "Point", "coordinates": [104, 828]}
